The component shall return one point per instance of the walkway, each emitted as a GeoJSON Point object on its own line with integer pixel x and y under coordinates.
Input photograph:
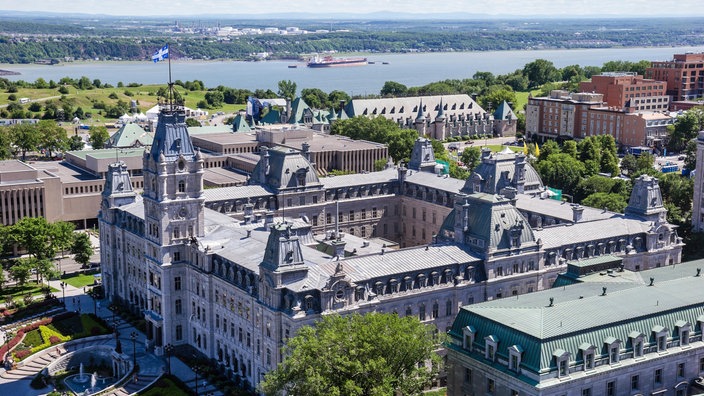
{"type": "Point", "coordinates": [16, 382]}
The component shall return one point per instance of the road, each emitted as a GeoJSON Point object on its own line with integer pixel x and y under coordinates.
{"type": "Point", "coordinates": [35, 100]}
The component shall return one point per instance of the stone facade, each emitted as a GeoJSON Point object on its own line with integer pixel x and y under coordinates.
{"type": "Point", "coordinates": [234, 272]}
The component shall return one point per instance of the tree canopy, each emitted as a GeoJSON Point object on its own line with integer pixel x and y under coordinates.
{"type": "Point", "coordinates": [379, 130]}
{"type": "Point", "coordinates": [371, 354]}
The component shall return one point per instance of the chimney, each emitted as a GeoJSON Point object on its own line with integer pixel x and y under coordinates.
{"type": "Point", "coordinates": [248, 212]}
{"type": "Point", "coordinates": [288, 109]}
{"type": "Point", "coordinates": [577, 211]}
{"type": "Point", "coordinates": [264, 164]}
{"type": "Point", "coordinates": [268, 219]}
{"type": "Point", "coordinates": [305, 150]}
{"type": "Point", "coordinates": [339, 247]}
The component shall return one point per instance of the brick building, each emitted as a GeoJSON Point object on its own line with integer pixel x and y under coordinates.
{"type": "Point", "coordinates": [684, 75]}
{"type": "Point", "coordinates": [628, 90]}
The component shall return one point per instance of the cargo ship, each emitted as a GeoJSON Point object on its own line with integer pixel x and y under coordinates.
{"type": "Point", "coordinates": [329, 61]}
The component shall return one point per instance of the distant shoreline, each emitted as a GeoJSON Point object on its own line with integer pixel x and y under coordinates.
{"type": "Point", "coordinates": [302, 58]}
{"type": "Point", "coordinates": [9, 73]}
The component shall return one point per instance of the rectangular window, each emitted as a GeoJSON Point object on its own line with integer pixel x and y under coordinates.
{"type": "Point", "coordinates": [177, 283]}
{"type": "Point", "coordinates": [177, 256]}
{"type": "Point", "coordinates": [315, 199]}
{"type": "Point", "coordinates": [351, 215]}
{"type": "Point", "coordinates": [611, 388]}
{"type": "Point", "coordinates": [635, 382]}
{"type": "Point", "coordinates": [178, 308]}
{"type": "Point", "coordinates": [657, 378]}
{"type": "Point", "coordinates": [701, 364]}
{"type": "Point", "coordinates": [563, 367]}
{"type": "Point", "coordinates": [490, 386]}
{"type": "Point", "coordinates": [468, 376]}
{"type": "Point", "coordinates": [587, 392]}
{"type": "Point", "coordinates": [374, 214]}
{"type": "Point", "coordinates": [179, 333]}
{"type": "Point", "coordinates": [302, 200]}
{"type": "Point", "coordinates": [680, 370]}
{"type": "Point", "coordinates": [364, 214]}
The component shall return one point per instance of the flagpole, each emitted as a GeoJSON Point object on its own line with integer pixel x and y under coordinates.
{"type": "Point", "coordinates": [171, 85]}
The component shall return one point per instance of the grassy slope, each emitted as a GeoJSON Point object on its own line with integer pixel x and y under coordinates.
{"type": "Point", "coordinates": [145, 96]}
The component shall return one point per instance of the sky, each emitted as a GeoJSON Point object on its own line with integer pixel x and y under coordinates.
{"type": "Point", "coordinates": [554, 8]}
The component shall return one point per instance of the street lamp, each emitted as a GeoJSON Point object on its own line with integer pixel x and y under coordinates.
{"type": "Point", "coordinates": [63, 292]}
{"type": "Point", "coordinates": [168, 348]}
{"type": "Point", "coordinates": [133, 337]}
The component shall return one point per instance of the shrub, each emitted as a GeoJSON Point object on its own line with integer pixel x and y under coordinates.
{"type": "Point", "coordinates": [22, 353]}
{"type": "Point", "coordinates": [112, 95]}
{"type": "Point", "coordinates": [53, 340]}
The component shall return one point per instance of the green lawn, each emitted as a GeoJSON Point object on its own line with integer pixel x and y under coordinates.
{"type": "Point", "coordinates": [436, 392]}
{"type": "Point", "coordinates": [80, 280]}
{"type": "Point", "coordinates": [165, 386]}
{"type": "Point", "coordinates": [522, 99]}
{"type": "Point", "coordinates": [32, 288]}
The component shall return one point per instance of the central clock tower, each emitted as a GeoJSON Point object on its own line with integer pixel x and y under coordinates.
{"type": "Point", "coordinates": [173, 215]}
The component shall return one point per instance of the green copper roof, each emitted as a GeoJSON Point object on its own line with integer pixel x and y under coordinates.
{"type": "Point", "coordinates": [586, 313]}
{"type": "Point", "coordinates": [298, 107]}
{"type": "Point", "coordinates": [504, 112]}
{"type": "Point", "coordinates": [239, 124]}
{"type": "Point", "coordinates": [131, 135]}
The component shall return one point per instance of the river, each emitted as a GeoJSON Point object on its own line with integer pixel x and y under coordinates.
{"type": "Point", "coordinates": [410, 69]}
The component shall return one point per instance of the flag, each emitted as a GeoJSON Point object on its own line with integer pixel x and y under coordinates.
{"type": "Point", "coordinates": [537, 150]}
{"type": "Point", "coordinates": [525, 148]}
{"type": "Point", "coordinates": [161, 54]}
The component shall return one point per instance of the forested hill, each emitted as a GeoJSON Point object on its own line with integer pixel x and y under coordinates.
{"type": "Point", "coordinates": [44, 39]}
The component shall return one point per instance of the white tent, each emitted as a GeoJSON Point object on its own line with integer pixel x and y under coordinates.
{"type": "Point", "coordinates": [125, 118]}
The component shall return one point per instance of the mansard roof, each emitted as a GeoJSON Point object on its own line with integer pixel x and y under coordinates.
{"type": "Point", "coordinates": [498, 171]}
{"type": "Point", "coordinates": [171, 138]}
{"type": "Point", "coordinates": [582, 313]}
{"type": "Point", "coordinates": [131, 135]}
{"type": "Point", "coordinates": [504, 112]}
{"type": "Point", "coordinates": [408, 107]}
{"type": "Point", "coordinates": [287, 168]}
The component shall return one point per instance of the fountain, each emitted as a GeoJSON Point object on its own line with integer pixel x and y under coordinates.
{"type": "Point", "coordinates": [82, 377]}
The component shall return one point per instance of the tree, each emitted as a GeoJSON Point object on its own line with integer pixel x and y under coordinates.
{"type": "Point", "coordinates": [192, 122]}
{"type": "Point", "coordinates": [287, 89]}
{"type": "Point", "coordinates": [62, 235]}
{"type": "Point", "coordinates": [75, 143]}
{"type": "Point", "coordinates": [98, 136]}
{"type": "Point", "coordinates": [497, 95]}
{"type": "Point", "coordinates": [561, 171]}
{"type": "Point", "coordinates": [315, 98]}
{"type": "Point", "coordinates": [539, 72]}
{"type": "Point", "coordinates": [393, 89]}
{"type": "Point", "coordinates": [609, 201]}
{"type": "Point", "coordinates": [20, 271]}
{"type": "Point", "coordinates": [25, 137]}
{"type": "Point", "coordinates": [214, 98]}
{"type": "Point", "coordinates": [52, 137]}
{"type": "Point", "coordinates": [685, 129]}
{"type": "Point", "coordinates": [82, 249]}
{"type": "Point", "coordinates": [34, 234]}
{"type": "Point", "coordinates": [336, 97]}
{"type": "Point", "coordinates": [548, 148]}
{"type": "Point", "coordinates": [378, 130]}
{"type": "Point", "coordinates": [471, 157]}
{"type": "Point", "coordinates": [363, 355]}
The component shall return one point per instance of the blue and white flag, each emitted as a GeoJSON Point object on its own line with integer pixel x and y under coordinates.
{"type": "Point", "coordinates": [161, 54]}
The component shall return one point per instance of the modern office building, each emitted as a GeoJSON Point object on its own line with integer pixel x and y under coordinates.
{"type": "Point", "coordinates": [233, 272]}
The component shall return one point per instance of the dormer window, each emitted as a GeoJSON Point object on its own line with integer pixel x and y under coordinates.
{"type": "Point", "coordinates": [587, 350]}
{"type": "Point", "coordinates": [490, 344]}
{"type": "Point", "coordinates": [468, 333]}
{"type": "Point", "coordinates": [562, 359]}
{"type": "Point", "coordinates": [514, 357]}
{"type": "Point", "coordinates": [683, 329]}
{"type": "Point", "coordinates": [660, 336]}
{"type": "Point", "coordinates": [613, 347]}
{"type": "Point", "coordinates": [637, 342]}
